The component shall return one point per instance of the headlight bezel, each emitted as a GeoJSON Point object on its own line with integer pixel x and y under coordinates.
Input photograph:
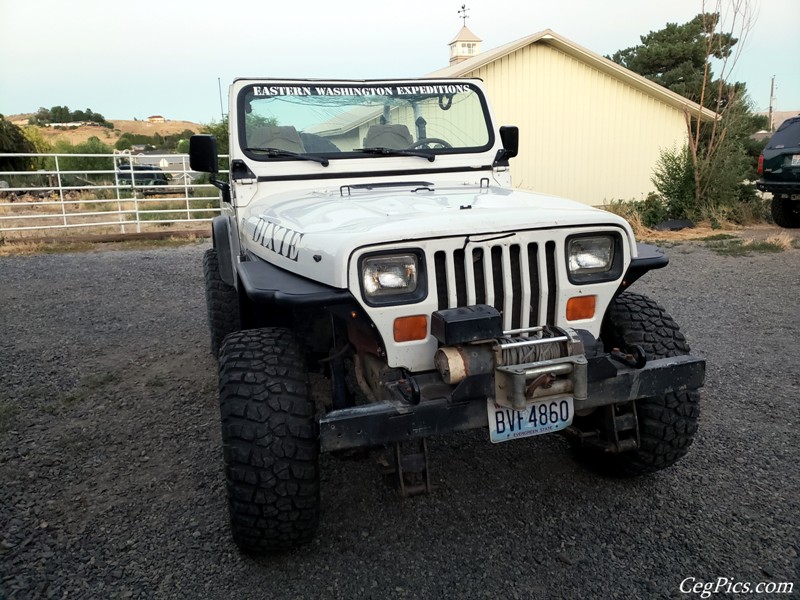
{"type": "Point", "coordinates": [614, 270]}
{"type": "Point", "coordinates": [389, 299]}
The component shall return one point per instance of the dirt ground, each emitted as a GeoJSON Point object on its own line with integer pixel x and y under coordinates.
{"type": "Point", "coordinates": [112, 482]}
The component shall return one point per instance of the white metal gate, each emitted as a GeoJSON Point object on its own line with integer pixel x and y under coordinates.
{"type": "Point", "coordinates": [103, 193]}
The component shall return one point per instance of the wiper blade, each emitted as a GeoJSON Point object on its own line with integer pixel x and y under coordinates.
{"type": "Point", "coordinates": [393, 152]}
{"type": "Point", "coordinates": [277, 152]}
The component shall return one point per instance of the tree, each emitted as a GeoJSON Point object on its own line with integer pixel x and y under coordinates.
{"type": "Point", "coordinates": [253, 121]}
{"type": "Point", "coordinates": [220, 131]}
{"type": "Point", "coordinates": [42, 117]}
{"type": "Point", "coordinates": [62, 114]}
{"type": "Point", "coordinates": [59, 114]}
{"type": "Point", "coordinates": [680, 58]}
{"type": "Point", "coordinates": [12, 139]}
{"type": "Point", "coordinates": [677, 56]}
{"type": "Point", "coordinates": [123, 143]}
{"type": "Point", "coordinates": [86, 164]}
{"type": "Point", "coordinates": [41, 145]}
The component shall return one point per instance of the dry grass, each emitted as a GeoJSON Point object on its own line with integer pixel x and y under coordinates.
{"type": "Point", "coordinates": [28, 248]}
{"type": "Point", "coordinates": [701, 231]}
{"type": "Point", "coordinates": [78, 135]}
{"type": "Point", "coordinates": [698, 232]}
{"type": "Point", "coordinates": [31, 247]}
{"type": "Point", "coordinates": [782, 240]}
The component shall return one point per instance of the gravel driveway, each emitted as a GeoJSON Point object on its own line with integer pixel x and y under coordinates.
{"type": "Point", "coordinates": [111, 480]}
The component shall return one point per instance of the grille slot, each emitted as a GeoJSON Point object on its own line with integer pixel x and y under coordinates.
{"type": "Point", "coordinates": [519, 280]}
{"type": "Point", "coordinates": [550, 250]}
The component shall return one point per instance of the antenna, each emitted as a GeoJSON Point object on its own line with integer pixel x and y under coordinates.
{"type": "Point", "coordinates": [462, 14]}
{"type": "Point", "coordinates": [221, 109]}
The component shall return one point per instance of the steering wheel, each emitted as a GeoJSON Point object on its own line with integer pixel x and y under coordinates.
{"type": "Point", "coordinates": [436, 142]}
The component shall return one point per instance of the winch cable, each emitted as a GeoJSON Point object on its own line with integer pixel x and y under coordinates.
{"type": "Point", "coordinates": [526, 354]}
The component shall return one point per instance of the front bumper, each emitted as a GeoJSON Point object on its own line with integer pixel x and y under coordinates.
{"type": "Point", "coordinates": [441, 409]}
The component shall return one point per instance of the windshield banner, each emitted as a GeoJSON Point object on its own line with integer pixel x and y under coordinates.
{"type": "Point", "coordinates": [411, 90]}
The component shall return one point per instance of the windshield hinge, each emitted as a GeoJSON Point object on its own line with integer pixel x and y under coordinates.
{"type": "Point", "coordinates": [241, 173]}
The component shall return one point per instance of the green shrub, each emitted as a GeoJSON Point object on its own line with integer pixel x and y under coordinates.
{"type": "Point", "coordinates": [673, 178]}
{"type": "Point", "coordinates": [724, 194]}
{"type": "Point", "coordinates": [648, 212]}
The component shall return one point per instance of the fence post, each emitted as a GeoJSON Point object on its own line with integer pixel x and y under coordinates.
{"type": "Point", "coordinates": [116, 191]}
{"type": "Point", "coordinates": [186, 187]}
{"type": "Point", "coordinates": [136, 206]}
{"type": "Point", "coordinates": [61, 192]}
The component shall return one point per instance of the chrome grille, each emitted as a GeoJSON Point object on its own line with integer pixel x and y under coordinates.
{"type": "Point", "coordinates": [519, 280]}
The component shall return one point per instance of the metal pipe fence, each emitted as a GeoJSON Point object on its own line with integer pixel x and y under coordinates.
{"type": "Point", "coordinates": [103, 193]}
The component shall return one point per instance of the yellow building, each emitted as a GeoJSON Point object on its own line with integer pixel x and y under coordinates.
{"type": "Point", "coordinates": [590, 129]}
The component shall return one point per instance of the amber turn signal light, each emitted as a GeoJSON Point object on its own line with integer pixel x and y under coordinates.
{"type": "Point", "coordinates": [581, 307]}
{"type": "Point", "coordinates": [409, 329]}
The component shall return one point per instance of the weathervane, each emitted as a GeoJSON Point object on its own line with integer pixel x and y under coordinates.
{"type": "Point", "coordinates": [462, 14]}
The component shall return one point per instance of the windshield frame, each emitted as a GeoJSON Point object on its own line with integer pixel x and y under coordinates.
{"type": "Point", "coordinates": [401, 89]}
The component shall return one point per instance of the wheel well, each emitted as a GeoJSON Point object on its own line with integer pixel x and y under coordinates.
{"type": "Point", "coordinates": [255, 315]}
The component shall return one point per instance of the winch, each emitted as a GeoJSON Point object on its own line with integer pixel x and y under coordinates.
{"type": "Point", "coordinates": [528, 363]}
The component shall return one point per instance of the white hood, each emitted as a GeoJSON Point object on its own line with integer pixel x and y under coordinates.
{"type": "Point", "coordinates": [315, 233]}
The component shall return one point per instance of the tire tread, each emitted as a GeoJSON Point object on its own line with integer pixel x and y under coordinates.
{"type": "Point", "coordinates": [221, 301]}
{"type": "Point", "coordinates": [270, 444]}
{"type": "Point", "coordinates": [667, 423]}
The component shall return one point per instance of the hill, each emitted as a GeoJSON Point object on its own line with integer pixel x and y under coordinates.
{"type": "Point", "coordinates": [109, 136]}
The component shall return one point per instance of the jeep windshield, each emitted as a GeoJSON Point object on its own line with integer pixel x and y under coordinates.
{"type": "Point", "coordinates": [353, 120]}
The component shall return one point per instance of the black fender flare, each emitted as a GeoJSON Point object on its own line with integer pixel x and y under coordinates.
{"type": "Point", "coordinates": [221, 238]}
{"type": "Point", "coordinates": [649, 258]}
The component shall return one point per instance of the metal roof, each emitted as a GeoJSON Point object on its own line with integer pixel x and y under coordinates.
{"type": "Point", "coordinates": [551, 38]}
{"type": "Point", "coordinates": [465, 35]}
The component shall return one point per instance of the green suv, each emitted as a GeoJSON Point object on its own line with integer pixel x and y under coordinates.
{"type": "Point", "coordinates": [779, 167]}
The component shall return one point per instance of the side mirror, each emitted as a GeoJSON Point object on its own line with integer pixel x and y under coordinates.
{"type": "Point", "coordinates": [203, 154]}
{"type": "Point", "coordinates": [510, 137]}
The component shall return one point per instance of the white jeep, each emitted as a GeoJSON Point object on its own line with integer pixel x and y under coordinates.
{"type": "Point", "coordinates": [370, 234]}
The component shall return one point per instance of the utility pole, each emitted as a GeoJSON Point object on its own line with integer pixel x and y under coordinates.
{"type": "Point", "coordinates": [771, 100]}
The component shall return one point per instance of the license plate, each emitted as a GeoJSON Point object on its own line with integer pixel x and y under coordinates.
{"type": "Point", "coordinates": [796, 160]}
{"type": "Point", "coordinates": [537, 418]}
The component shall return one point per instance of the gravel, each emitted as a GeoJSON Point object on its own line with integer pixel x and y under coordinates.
{"type": "Point", "coordinates": [111, 479]}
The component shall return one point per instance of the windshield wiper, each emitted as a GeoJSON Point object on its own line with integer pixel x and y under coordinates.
{"type": "Point", "coordinates": [392, 152]}
{"type": "Point", "coordinates": [277, 152]}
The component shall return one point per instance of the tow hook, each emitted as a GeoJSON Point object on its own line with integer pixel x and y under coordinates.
{"type": "Point", "coordinates": [636, 358]}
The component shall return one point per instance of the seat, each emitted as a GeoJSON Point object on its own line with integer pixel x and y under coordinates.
{"type": "Point", "coordinates": [282, 137]}
{"type": "Point", "coordinates": [395, 137]}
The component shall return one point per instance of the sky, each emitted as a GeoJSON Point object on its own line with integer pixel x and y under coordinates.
{"type": "Point", "coordinates": [130, 60]}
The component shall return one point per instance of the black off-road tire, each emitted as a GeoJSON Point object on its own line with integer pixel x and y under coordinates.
{"type": "Point", "coordinates": [667, 423]}
{"type": "Point", "coordinates": [221, 302]}
{"type": "Point", "coordinates": [786, 213]}
{"type": "Point", "coordinates": [269, 440]}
